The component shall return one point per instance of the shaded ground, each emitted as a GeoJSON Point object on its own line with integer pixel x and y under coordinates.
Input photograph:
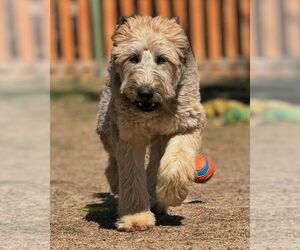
{"type": "Point", "coordinates": [215, 216]}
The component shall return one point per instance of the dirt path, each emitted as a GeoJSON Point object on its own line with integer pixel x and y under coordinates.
{"type": "Point", "coordinates": [215, 216]}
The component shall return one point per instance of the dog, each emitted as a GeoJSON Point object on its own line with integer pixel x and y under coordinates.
{"type": "Point", "coordinates": [150, 119]}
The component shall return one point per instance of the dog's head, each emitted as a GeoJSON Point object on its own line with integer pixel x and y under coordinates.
{"type": "Point", "coordinates": [149, 55]}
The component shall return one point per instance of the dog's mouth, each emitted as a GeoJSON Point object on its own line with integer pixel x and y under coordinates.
{"type": "Point", "coordinates": [147, 106]}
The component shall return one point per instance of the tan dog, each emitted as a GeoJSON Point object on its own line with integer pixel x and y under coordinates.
{"type": "Point", "coordinates": [151, 101]}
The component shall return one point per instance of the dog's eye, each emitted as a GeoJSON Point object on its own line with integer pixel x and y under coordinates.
{"type": "Point", "coordinates": [134, 59]}
{"type": "Point", "coordinates": [160, 60]}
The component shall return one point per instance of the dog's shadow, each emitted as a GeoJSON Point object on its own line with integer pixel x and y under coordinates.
{"type": "Point", "coordinates": [105, 213]}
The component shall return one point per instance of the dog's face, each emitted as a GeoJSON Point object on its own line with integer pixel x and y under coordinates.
{"type": "Point", "coordinates": [148, 55]}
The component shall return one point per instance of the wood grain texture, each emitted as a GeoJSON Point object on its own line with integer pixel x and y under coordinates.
{"type": "Point", "coordinates": [26, 45]}
{"type": "Point", "coordinates": [214, 30]}
{"type": "Point", "coordinates": [144, 7]}
{"type": "Point", "coordinates": [197, 27]}
{"type": "Point", "coordinates": [83, 24]}
{"type": "Point", "coordinates": [66, 32]}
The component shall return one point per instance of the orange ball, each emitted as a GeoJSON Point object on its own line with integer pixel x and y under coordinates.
{"type": "Point", "coordinates": [204, 169]}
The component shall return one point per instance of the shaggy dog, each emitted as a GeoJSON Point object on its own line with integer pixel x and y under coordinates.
{"type": "Point", "coordinates": [150, 119]}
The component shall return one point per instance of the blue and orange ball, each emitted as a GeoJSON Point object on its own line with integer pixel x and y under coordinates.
{"type": "Point", "coordinates": [204, 169]}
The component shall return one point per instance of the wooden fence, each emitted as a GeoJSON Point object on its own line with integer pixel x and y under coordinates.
{"type": "Point", "coordinates": [78, 32]}
{"type": "Point", "coordinates": [217, 28]}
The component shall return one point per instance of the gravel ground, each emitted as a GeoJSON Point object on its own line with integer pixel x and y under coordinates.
{"type": "Point", "coordinates": [83, 212]}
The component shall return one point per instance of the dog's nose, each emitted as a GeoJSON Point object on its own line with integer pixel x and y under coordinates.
{"type": "Point", "coordinates": [145, 93]}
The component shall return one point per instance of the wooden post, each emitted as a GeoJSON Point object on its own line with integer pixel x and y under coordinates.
{"type": "Point", "coordinates": [127, 8]}
{"type": "Point", "coordinates": [253, 31]}
{"type": "Point", "coordinates": [292, 25]}
{"type": "Point", "coordinates": [53, 49]}
{"type": "Point", "coordinates": [245, 27]}
{"type": "Point", "coordinates": [179, 11]}
{"type": "Point", "coordinates": [24, 32]}
{"type": "Point", "coordinates": [197, 28]}
{"type": "Point", "coordinates": [97, 38]}
{"type": "Point", "coordinates": [214, 34]}
{"type": "Point", "coordinates": [144, 7]}
{"type": "Point", "coordinates": [66, 32]}
{"type": "Point", "coordinates": [163, 8]}
{"type": "Point", "coordinates": [4, 49]}
{"type": "Point", "coordinates": [270, 29]}
{"type": "Point", "coordinates": [230, 19]}
{"type": "Point", "coordinates": [46, 24]}
{"type": "Point", "coordinates": [84, 40]}
{"type": "Point", "coordinates": [109, 19]}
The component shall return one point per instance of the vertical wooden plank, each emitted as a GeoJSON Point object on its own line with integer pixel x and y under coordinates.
{"type": "Point", "coordinates": [53, 49]}
{"type": "Point", "coordinates": [270, 29]}
{"type": "Point", "coordinates": [83, 25]}
{"type": "Point", "coordinates": [46, 24]}
{"type": "Point", "coordinates": [253, 32]}
{"type": "Point", "coordinates": [127, 7]}
{"type": "Point", "coordinates": [109, 19]}
{"type": "Point", "coordinates": [179, 10]}
{"type": "Point", "coordinates": [24, 31]}
{"type": "Point", "coordinates": [230, 25]}
{"type": "Point", "coordinates": [163, 8]}
{"type": "Point", "coordinates": [144, 7]}
{"type": "Point", "coordinates": [4, 49]}
{"type": "Point", "coordinates": [197, 29]}
{"type": "Point", "coordinates": [66, 34]}
{"type": "Point", "coordinates": [292, 8]}
{"type": "Point", "coordinates": [96, 10]}
{"type": "Point", "coordinates": [245, 26]}
{"type": "Point", "coordinates": [214, 32]}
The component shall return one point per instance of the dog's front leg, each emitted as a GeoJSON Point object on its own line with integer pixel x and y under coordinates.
{"type": "Point", "coordinates": [133, 195]}
{"type": "Point", "coordinates": [176, 171]}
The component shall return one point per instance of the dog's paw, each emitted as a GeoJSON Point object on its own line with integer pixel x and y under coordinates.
{"type": "Point", "coordinates": [174, 178]}
{"type": "Point", "coordinates": [134, 222]}
{"type": "Point", "coordinates": [171, 193]}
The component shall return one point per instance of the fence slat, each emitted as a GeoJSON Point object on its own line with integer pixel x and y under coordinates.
{"type": "Point", "coordinates": [163, 8]}
{"type": "Point", "coordinates": [214, 34]}
{"type": "Point", "coordinates": [270, 32]}
{"type": "Point", "coordinates": [4, 49]}
{"type": "Point", "coordinates": [109, 19]}
{"type": "Point", "coordinates": [292, 8]}
{"type": "Point", "coordinates": [84, 30]}
{"type": "Point", "coordinates": [127, 7]}
{"type": "Point", "coordinates": [230, 21]}
{"type": "Point", "coordinates": [179, 10]}
{"type": "Point", "coordinates": [144, 7]}
{"type": "Point", "coordinates": [253, 37]}
{"type": "Point", "coordinates": [66, 32]}
{"type": "Point", "coordinates": [245, 27]}
{"type": "Point", "coordinates": [25, 41]}
{"type": "Point", "coordinates": [97, 38]}
{"type": "Point", "coordinates": [197, 26]}
{"type": "Point", "coordinates": [46, 34]}
{"type": "Point", "coordinates": [53, 50]}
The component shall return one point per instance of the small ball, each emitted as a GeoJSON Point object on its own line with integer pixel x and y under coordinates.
{"type": "Point", "coordinates": [204, 169]}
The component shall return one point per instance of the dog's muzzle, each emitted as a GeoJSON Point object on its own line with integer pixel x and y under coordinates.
{"type": "Point", "coordinates": [145, 101]}
{"type": "Point", "coordinates": [147, 106]}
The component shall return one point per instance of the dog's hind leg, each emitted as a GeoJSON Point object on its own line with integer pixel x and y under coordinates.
{"type": "Point", "coordinates": [177, 168]}
{"type": "Point", "coordinates": [112, 175]}
{"type": "Point", "coordinates": [134, 206]}
{"type": "Point", "coordinates": [156, 152]}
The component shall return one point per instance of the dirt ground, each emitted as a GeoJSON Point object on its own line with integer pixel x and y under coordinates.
{"type": "Point", "coordinates": [83, 212]}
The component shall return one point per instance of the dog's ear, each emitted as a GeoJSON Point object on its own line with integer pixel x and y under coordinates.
{"type": "Point", "coordinates": [122, 20]}
{"type": "Point", "coordinates": [176, 19]}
